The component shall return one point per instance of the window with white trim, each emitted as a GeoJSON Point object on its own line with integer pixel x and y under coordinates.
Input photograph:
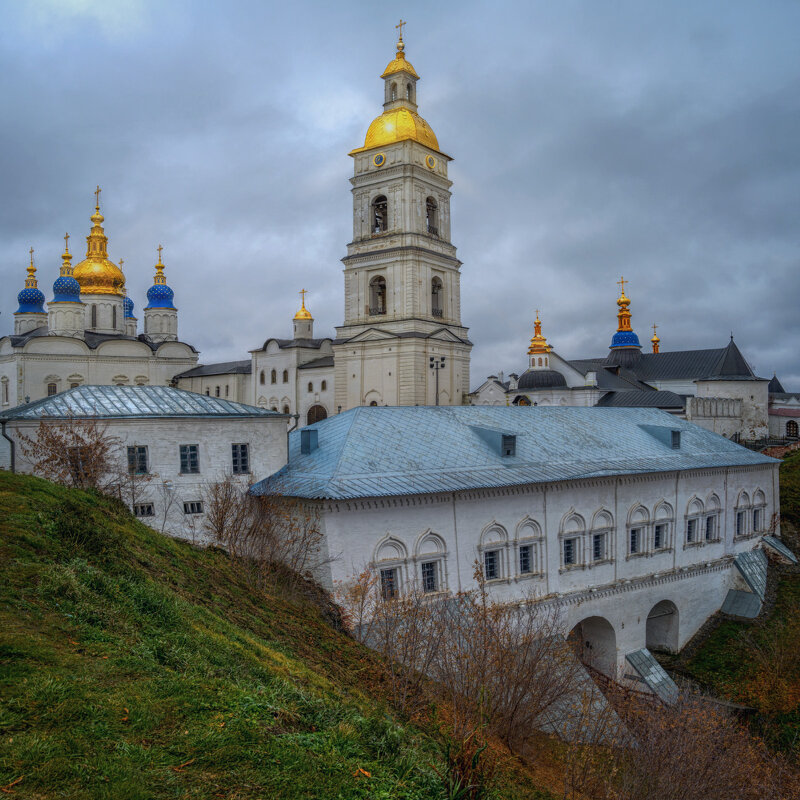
{"type": "Point", "coordinates": [570, 551]}
{"type": "Point", "coordinates": [526, 559]}
{"type": "Point", "coordinates": [190, 460]}
{"type": "Point", "coordinates": [240, 456]}
{"type": "Point", "coordinates": [137, 460]}
{"type": "Point", "coordinates": [143, 510]}
{"type": "Point", "coordinates": [491, 565]}
{"type": "Point", "coordinates": [429, 572]}
{"type": "Point", "coordinates": [193, 507]}
{"type": "Point", "coordinates": [389, 584]}
{"type": "Point", "coordinates": [635, 541]}
{"type": "Point", "coordinates": [599, 546]}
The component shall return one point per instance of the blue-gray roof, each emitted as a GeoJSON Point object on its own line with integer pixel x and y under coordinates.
{"type": "Point", "coordinates": [114, 402]}
{"type": "Point", "coordinates": [374, 451]}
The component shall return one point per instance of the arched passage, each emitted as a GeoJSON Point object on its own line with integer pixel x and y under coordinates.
{"type": "Point", "coordinates": [316, 414]}
{"type": "Point", "coordinates": [596, 644]}
{"type": "Point", "coordinates": [662, 627]}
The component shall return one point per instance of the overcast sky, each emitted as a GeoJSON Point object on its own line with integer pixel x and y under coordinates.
{"type": "Point", "coordinates": [591, 139]}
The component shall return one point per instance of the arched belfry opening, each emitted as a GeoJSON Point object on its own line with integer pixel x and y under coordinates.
{"type": "Point", "coordinates": [431, 217]}
{"type": "Point", "coordinates": [377, 295]}
{"type": "Point", "coordinates": [595, 644]}
{"type": "Point", "coordinates": [380, 214]}
{"type": "Point", "coordinates": [393, 92]}
{"type": "Point", "coordinates": [436, 297]}
{"type": "Point", "coordinates": [410, 91]}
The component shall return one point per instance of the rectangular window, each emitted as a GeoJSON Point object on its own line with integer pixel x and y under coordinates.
{"type": "Point", "coordinates": [756, 519]}
{"type": "Point", "coordinates": [137, 460]}
{"type": "Point", "coordinates": [598, 546]}
{"type": "Point", "coordinates": [430, 579]}
{"type": "Point", "coordinates": [660, 537]}
{"type": "Point", "coordinates": [740, 523]}
{"type": "Point", "coordinates": [491, 565]}
{"type": "Point", "coordinates": [143, 510]}
{"type": "Point", "coordinates": [193, 507]}
{"type": "Point", "coordinates": [509, 445]}
{"type": "Point", "coordinates": [635, 540]}
{"type": "Point", "coordinates": [691, 530]}
{"type": "Point", "coordinates": [711, 529]}
{"type": "Point", "coordinates": [526, 559]}
{"type": "Point", "coordinates": [190, 463]}
{"type": "Point", "coordinates": [51, 389]}
{"type": "Point", "coordinates": [389, 583]}
{"type": "Point", "coordinates": [241, 459]}
{"type": "Point", "coordinates": [570, 552]}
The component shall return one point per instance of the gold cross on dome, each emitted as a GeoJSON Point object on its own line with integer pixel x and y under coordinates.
{"type": "Point", "coordinates": [303, 293]}
{"type": "Point", "coordinates": [66, 242]}
{"type": "Point", "coordinates": [400, 26]}
{"type": "Point", "coordinates": [121, 262]}
{"type": "Point", "coordinates": [159, 248]}
{"type": "Point", "coordinates": [621, 282]}
{"type": "Point", "coordinates": [31, 251]}
{"type": "Point", "coordinates": [655, 328]}
{"type": "Point", "coordinates": [97, 198]}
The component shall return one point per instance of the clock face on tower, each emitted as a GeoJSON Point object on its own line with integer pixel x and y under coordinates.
{"type": "Point", "coordinates": [379, 159]}
{"type": "Point", "coordinates": [430, 161]}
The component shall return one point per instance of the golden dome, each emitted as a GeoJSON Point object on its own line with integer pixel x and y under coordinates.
{"type": "Point", "coordinates": [399, 63]}
{"type": "Point", "coordinates": [303, 313]}
{"type": "Point", "coordinates": [396, 125]}
{"type": "Point", "coordinates": [96, 274]}
{"type": "Point", "coordinates": [538, 342]}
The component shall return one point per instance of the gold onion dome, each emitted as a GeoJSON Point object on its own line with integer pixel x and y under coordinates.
{"type": "Point", "coordinates": [538, 342]}
{"type": "Point", "coordinates": [399, 63]}
{"type": "Point", "coordinates": [96, 274]}
{"type": "Point", "coordinates": [303, 313]}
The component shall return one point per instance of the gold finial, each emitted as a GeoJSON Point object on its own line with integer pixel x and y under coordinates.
{"type": "Point", "coordinates": [159, 248]}
{"type": "Point", "coordinates": [621, 283]}
{"type": "Point", "coordinates": [97, 198]}
{"type": "Point", "coordinates": [121, 262]}
{"type": "Point", "coordinates": [655, 340]}
{"type": "Point", "coordinates": [66, 243]}
{"type": "Point", "coordinates": [159, 276]}
{"type": "Point", "coordinates": [303, 313]}
{"type": "Point", "coordinates": [30, 281]}
{"type": "Point", "coordinates": [66, 265]}
{"type": "Point", "coordinates": [538, 342]}
{"type": "Point", "coordinates": [400, 38]}
{"type": "Point", "coordinates": [623, 315]}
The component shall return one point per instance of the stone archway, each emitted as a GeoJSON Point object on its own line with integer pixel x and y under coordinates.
{"type": "Point", "coordinates": [595, 644]}
{"type": "Point", "coordinates": [316, 414]}
{"type": "Point", "coordinates": [663, 627]}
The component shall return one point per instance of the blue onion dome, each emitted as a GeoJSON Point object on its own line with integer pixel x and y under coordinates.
{"type": "Point", "coordinates": [625, 339]}
{"type": "Point", "coordinates": [625, 336]}
{"type": "Point", "coordinates": [31, 299]}
{"type": "Point", "coordinates": [66, 289]}
{"type": "Point", "coordinates": [127, 304]}
{"type": "Point", "coordinates": [159, 295]}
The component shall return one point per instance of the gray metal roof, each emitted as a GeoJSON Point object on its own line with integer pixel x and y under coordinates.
{"type": "Point", "coordinates": [93, 340]}
{"type": "Point", "coordinates": [289, 344]}
{"type": "Point", "coordinates": [741, 604]}
{"type": "Point", "coordinates": [541, 379]}
{"type": "Point", "coordinates": [129, 402]}
{"type": "Point", "coordinates": [640, 399]}
{"type": "Point", "coordinates": [378, 451]}
{"type": "Point", "coordinates": [779, 547]}
{"type": "Point", "coordinates": [323, 361]}
{"type": "Point", "coordinates": [753, 568]}
{"type": "Point", "coordinates": [223, 368]}
{"type": "Point", "coordinates": [653, 674]}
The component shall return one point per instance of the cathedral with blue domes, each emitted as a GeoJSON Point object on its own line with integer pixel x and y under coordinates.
{"type": "Point", "coordinates": [87, 333]}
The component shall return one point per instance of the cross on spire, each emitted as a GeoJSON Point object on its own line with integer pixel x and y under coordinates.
{"type": "Point", "coordinates": [66, 243]}
{"type": "Point", "coordinates": [400, 26]}
{"type": "Point", "coordinates": [31, 251]}
{"type": "Point", "coordinates": [159, 248]}
{"type": "Point", "coordinates": [303, 293]}
{"type": "Point", "coordinates": [621, 282]}
{"type": "Point", "coordinates": [97, 198]}
{"type": "Point", "coordinates": [655, 328]}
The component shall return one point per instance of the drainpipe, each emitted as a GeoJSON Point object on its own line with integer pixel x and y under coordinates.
{"type": "Point", "coordinates": [293, 428]}
{"type": "Point", "coordinates": [11, 444]}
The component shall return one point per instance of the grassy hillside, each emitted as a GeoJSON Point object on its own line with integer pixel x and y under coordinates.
{"type": "Point", "coordinates": [134, 666]}
{"type": "Point", "coordinates": [758, 664]}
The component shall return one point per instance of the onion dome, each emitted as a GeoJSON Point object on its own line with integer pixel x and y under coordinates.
{"type": "Point", "coordinates": [538, 343]}
{"type": "Point", "coordinates": [625, 336]}
{"type": "Point", "coordinates": [655, 340]}
{"type": "Point", "coordinates": [399, 63]}
{"type": "Point", "coordinates": [541, 379]}
{"type": "Point", "coordinates": [159, 295]}
{"type": "Point", "coordinates": [96, 274]}
{"type": "Point", "coordinates": [31, 299]}
{"type": "Point", "coordinates": [303, 313]}
{"type": "Point", "coordinates": [66, 289]}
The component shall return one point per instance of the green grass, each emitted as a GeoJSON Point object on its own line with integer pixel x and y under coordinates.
{"type": "Point", "coordinates": [133, 666]}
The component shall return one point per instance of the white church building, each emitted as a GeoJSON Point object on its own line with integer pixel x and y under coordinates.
{"type": "Point", "coordinates": [630, 519]}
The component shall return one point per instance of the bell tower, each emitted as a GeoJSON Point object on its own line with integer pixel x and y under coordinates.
{"type": "Point", "coordinates": [402, 276]}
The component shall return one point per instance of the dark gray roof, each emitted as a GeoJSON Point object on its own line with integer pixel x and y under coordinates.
{"type": "Point", "coordinates": [610, 377]}
{"type": "Point", "coordinates": [130, 402]}
{"type": "Point", "coordinates": [775, 386]}
{"type": "Point", "coordinates": [93, 340]}
{"type": "Point", "coordinates": [288, 344]}
{"type": "Point", "coordinates": [541, 379]}
{"type": "Point", "coordinates": [638, 399]}
{"type": "Point", "coordinates": [323, 361]}
{"type": "Point", "coordinates": [223, 368]}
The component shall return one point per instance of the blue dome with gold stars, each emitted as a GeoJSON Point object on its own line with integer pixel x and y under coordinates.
{"type": "Point", "coordinates": [31, 301]}
{"type": "Point", "coordinates": [625, 339]}
{"type": "Point", "coordinates": [127, 304]}
{"type": "Point", "coordinates": [66, 290]}
{"type": "Point", "coordinates": [159, 295]}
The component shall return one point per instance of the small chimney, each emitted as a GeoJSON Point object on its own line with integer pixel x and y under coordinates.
{"type": "Point", "coordinates": [309, 440]}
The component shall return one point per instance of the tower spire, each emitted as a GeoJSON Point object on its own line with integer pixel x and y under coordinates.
{"type": "Point", "coordinates": [538, 342]}
{"type": "Point", "coordinates": [303, 313]}
{"type": "Point", "coordinates": [655, 340]}
{"type": "Point", "coordinates": [30, 281]}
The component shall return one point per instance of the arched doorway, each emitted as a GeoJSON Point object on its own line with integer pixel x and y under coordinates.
{"type": "Point", "coordinates": [596, 644]}
{"type": "Point", "coordinates": [316, 414]}
{"type": "Point", "coordinates": [662, 627]}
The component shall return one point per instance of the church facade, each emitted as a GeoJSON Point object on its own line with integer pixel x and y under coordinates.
{"type": "Point", "coordinates": [402, 341]}
{"type": "Point", "coordinates": [88, 333]}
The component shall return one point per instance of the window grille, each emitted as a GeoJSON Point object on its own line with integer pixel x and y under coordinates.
{"type": "Point", "coordinates": [635, 541]}
{"type": "Point", "coordinates": [491, 565]}
{"type": "Point", "coordinates": [430, 579]}
{"type": "Point", "coordinates": [526, 559]}
{"type": "Point", "coordinates": [691, 531]}
{"type": "Point", "coordinates": [137, 460]}
{"type": "Point", "coordinates": [241, 458]}
{"type": "Point", "coordinates": [190, 463]}
{"type": "Point", "coordinates": [193, 507]}
{"type": "Point", "coordinates": [143, 510]}
{"type": "Point", "coordinates": [52, 389]}
{"type": "Point", "coordinates": [711, 528]}
{"type": "Point", "coordinates": [509, 445]}
{"type": "Point", "coordinates": [660, 537]}
{"type": "Point", "coordinates": [570, 552]}
{"type": "Point", "coordinates": [598, 547]}
{"type": "Point", "coordinates": [389, 583]}
{"type": "Point", "coordinates": [756, 519]}
{"type": "Point", "coordinates": [740, 523]}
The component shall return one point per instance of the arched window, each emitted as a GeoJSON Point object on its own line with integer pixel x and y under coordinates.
{"type": "Point", "coordinates": [316, 414]}
{"type": "Point", "coordinates": [4, 383]}
{"type": "Point", "coordinates": [694, 512]}
{"type": "Point", "coordinates": [380, 214]}
{"type": "Point", "coordinates": [436, 297]}
{"type": "Point", "coordinates": [286, 410]}
{"type": "Point", "coordinates": [377, 295]}
{"type": "Point", "coordinates": [216, 392]}
{"type": "Point", "coordinates": [393, 93]}
{"type": "Point", "coordinates": [52, 389]}
{"type": "Point", "coordinates": [273, 377]}
{"type": "Point", "coordinates": [262, 378]}
{"type": "Point", "coordinates": [373, 402]}
{"type": "Point", "coordinates": [540, 362]}
{"type": "Point", "coordinates": [323, 386]}
{"type": "Point", "coordinates": [114, 317]}
{"type": "Point", "coordinates": [94, 315]}
{"type": "Point", "coordinates": [494, 551]}
{"type": "Point", "coordinates": [791, 429]}
{"type": "Point", "coordinates": [286, 376]}
{"type": "Point", "coordinates": [571, 535]}
{"type": "Point", "coordinates": [431, 217]}
{"type": "Point", "coordinates": [310, 386]}
{"type": "Point", "coordinates": [600, 543]}
{"type": "Point", "coordinates": [409, 92]}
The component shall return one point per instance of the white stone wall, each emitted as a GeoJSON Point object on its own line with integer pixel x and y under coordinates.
{"type": "Point", "coordinates": [167, 488]}
{"type": "Point", "coordinates": [109, 313]}
{"type": "Point", "coordinates": [717, 414]}
{"type": "Point", "coordinates": [454, 530]}
{"type": "Point", "coordinates": [755, 401]}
